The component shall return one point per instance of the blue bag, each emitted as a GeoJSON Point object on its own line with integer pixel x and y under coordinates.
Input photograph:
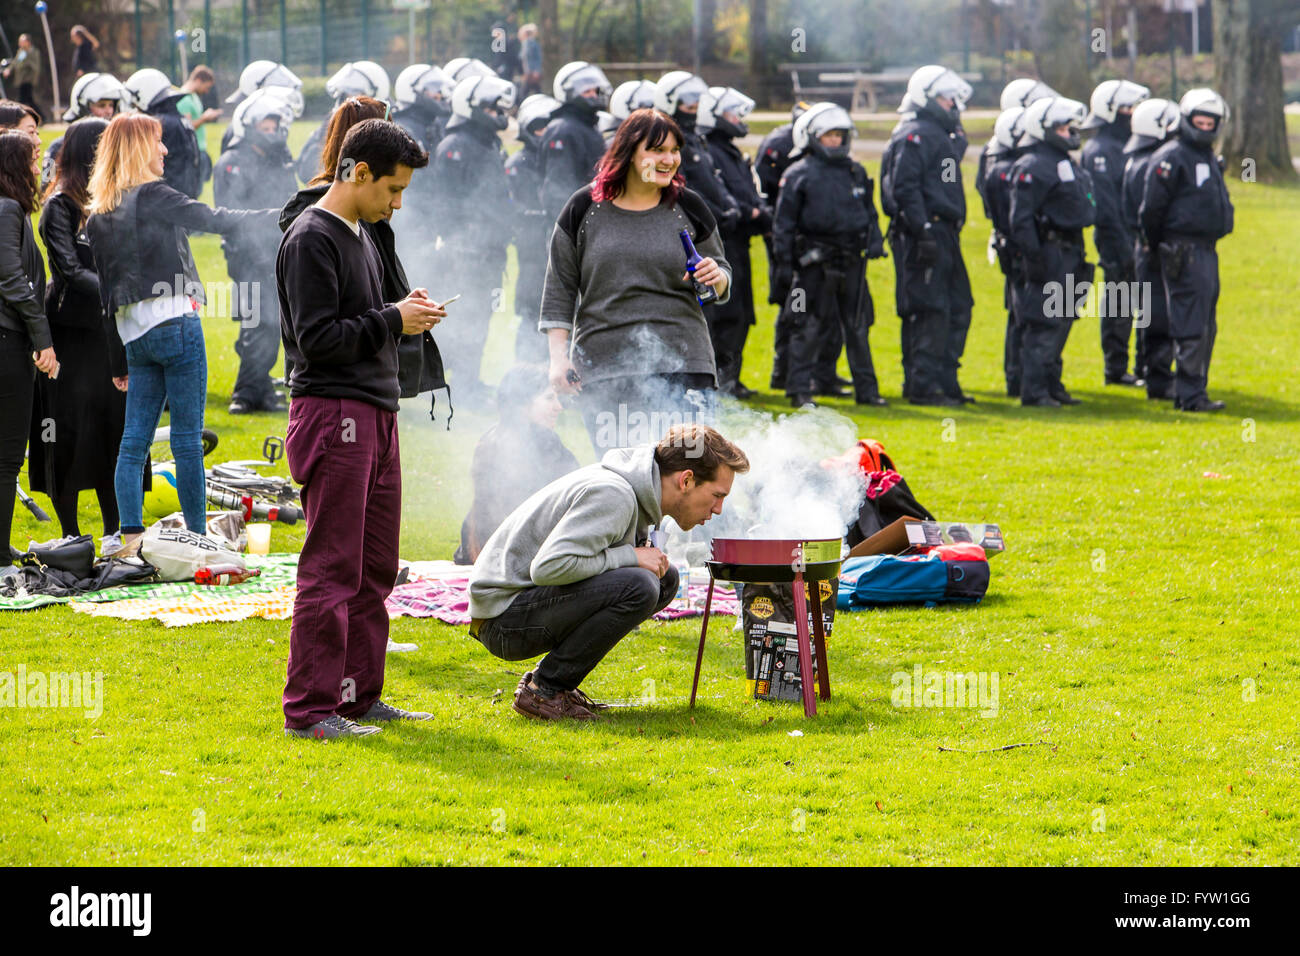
{"type": "Point", "coordinates": [880, 579]}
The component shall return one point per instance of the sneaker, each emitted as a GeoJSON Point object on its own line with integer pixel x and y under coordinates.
{"type": "Point", "coordinates": [560, 707]}
{"type": "Point", "coordinates": [381, 711]}
{"type": "Point", "coordinates": [110, 544]}
{"type": "Point", "coordinates": [331, 727]}
{"type": "Point", "coordinates": [396, 647]}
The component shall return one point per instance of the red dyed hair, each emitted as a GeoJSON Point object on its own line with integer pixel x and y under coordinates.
{"type": "Point", "coordinates": [647, 126]}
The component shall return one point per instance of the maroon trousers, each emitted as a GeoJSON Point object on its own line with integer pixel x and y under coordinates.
{"type": "Point", "coordinates": [344, 454]}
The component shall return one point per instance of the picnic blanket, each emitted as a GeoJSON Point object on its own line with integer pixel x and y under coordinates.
{"type": "Point", "coordinates": [434, 589]}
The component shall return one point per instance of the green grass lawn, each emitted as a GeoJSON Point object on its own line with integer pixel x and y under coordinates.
{"type": "Point", "coordinates": [1139, 622]}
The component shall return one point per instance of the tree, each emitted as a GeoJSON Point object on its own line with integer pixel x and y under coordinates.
{"type": "Point", "coordinates": [1248, 75]}
{"type": "Point", "coordinates": [548, 25]}
{"type": "Point", "coordinates": [1060, 53]}
{"type": "Point", "coordinates": [758, 79]}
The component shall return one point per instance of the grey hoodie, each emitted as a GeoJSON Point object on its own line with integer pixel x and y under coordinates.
{"type": "Point", "coordinates": [581, 525]}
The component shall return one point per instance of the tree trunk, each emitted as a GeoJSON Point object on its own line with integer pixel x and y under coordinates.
{"type": "Point", "coordinates": [1060, 53]}
{"type": "Point", "coordinates": [708, 37]}
{"type": "Point", "coordinates": [1248, 74]}
{"type": "Point", "coordinates": [758, 79]}
{"type": "Point", "coordinates": [548, 25]}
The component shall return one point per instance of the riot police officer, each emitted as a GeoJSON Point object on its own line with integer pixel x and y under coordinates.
{"type": "Point", "coordinates": [94, 94]}
{"type": "Point", "coordinates": [1185, 211]}
{"type": "Point", "coordinates": [260, 75]}
{"type": "Point", "coordinates": [422, 101]}
{"type": "Point", "coordinates": [1051, 205]}
{"type": "Point", "coordinates": [722, 120]}
{"type": "Point", "coordinates": [151, 92]}
{"type": "Point", "coordinates": [256, 172]}
{"type": "Point", "coordinates": [1001, 154]}
{"type": "Point", "coordinates": [532, 227]}
{"type": "Point", "coordinates": [571, 145]}
{"type": "Point", "coordinates": [773, 158]}
{"type": "Point", "coordinates": [626, 99]}
{"type": "Point", "coordinates": [1154, 121]}
{"type": "Point", "coordinates": [360, 78]}
{"type": "Point", "coordinates": [825, 228]}
{"type": "Point", "coordinates": [474, 213]}
{"type": "Point", "coordinates": [1103, 157]}
{"type": "Point", "coordinates": [683, 92]}
{"type": "Point", "coordinates": [925, 188]}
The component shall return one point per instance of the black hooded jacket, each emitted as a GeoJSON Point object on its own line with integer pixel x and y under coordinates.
{"type": "Point", "coordinates": [419, 364]}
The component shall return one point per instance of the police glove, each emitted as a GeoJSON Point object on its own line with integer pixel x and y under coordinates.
{"type": "Point", "coordinates": [779, 288]}
{"type": "Point", "coordinates": [876, 248]}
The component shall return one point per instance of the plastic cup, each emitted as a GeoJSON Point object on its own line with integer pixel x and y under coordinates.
{"type": "Point", "coordinates": [259, 538]}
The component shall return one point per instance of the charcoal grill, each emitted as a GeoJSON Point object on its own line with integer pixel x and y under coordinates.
{"type": "Point", "coordinates": [780, 561]}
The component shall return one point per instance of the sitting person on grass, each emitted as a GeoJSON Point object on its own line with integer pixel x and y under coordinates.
{"type": "Point", "coordinates": [517, 456]}
{"type": "Point", "coordinates": [570, 572]}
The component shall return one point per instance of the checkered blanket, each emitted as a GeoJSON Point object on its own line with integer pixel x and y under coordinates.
{"type": "Point", "coordinates": [434, 589]}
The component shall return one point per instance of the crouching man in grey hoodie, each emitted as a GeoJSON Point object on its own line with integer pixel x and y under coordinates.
{"type": "Point", "coordinates": [570, 572]}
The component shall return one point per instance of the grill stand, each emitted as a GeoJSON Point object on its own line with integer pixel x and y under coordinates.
{"type": "Point", "coordinates": [805, 651]}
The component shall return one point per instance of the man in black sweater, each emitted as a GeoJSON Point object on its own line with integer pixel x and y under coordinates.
{"type": "Point", "coordinates": [341, 339]}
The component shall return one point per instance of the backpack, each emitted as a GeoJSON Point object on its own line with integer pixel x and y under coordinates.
{"type": "Point", "coordinates": [888, 497]}
{"type": "Point", "coordinates": [952, 573]}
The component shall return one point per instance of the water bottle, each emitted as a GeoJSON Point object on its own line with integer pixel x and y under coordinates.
{"type": "Point", "coordinates": [703, 292]}
{"type": "Point", "coordinates": [683, 581]}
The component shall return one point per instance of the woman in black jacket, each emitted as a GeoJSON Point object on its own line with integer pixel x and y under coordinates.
{"type": "Point", "coordinates": [25, 343]}
{"type": "Point", "coordinates": [76, 420]}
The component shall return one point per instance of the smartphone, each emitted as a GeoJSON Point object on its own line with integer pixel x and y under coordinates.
{"type": "Point", "coordinates": [443, 305]}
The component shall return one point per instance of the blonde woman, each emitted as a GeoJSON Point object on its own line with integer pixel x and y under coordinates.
{"type": "Point", "coordinates": [148, 282]}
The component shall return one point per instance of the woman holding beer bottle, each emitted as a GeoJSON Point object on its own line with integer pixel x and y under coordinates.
{"type": "Point", "coordinates": [620, 309]}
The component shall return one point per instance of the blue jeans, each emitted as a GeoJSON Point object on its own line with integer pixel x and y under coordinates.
{"type": "Point", "coordinates": [166, 363]}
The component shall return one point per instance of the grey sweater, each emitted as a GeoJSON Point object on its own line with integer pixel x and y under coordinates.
{"type": "Point", "coordinates": [578, 526]}
{"type": "Point", "coordinates": [614, 279]}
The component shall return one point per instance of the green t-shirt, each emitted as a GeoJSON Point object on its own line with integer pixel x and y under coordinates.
{"type": "Point", "coordinates": [191, 107]}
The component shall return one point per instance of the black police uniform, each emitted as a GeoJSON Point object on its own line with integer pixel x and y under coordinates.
{"type": "Point", "coordinates": [996, 193]}
{"type": "Point", "coordinates": [254, 176]}
{"type": "Point", "coordinates": [729, 323]}
{"type": "Point", "coordinates": [475, 222]}
{"type": "Point", "coordinates": [1185, 211]}
{"type": "Point", "coordinates": [825, 224]}
{"type": "Point", "coordinates": [181, 171]}
{"type": "Point", "coordinates": [532, 232]}
{"type": "Point", "coordinates": [934, 297]}
{"type": "Point", "coordinates": [1103, 158]}
{"type": "Point", "coordinates": [571, 148]}
{"type": "Point", "coordinates": [771, 162]}
{"type": "Point", "coordinates": [1153, 322]}
{"type": "Point", "coordinates": [312, 151]}
{"type": "Point", "coordinates": [1051, 205]}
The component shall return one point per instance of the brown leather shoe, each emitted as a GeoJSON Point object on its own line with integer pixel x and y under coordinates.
{"type": "Point", "coordinates": [583, 700]}
{"type": "Point", "coordinates": [560, 707]}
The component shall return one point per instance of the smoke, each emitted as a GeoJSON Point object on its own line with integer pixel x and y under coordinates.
{"type": "Point", "coordinates": [786, 493]}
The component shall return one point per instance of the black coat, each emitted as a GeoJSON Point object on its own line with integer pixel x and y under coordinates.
{"type": "Point", "coordinates": [419, 363]}
{"type": "Point", "coordinates": [926, 175]}
{"type": "Point", "coordinates": [1184, 195]}
{"type": "Point", "coordinates": [181, 169]}
{"type": "Point", "coordinates": [738, 178]}
{"type": "Point", "coordinates": [1103, 158]}
{"type": "Point", "coordinates": [773, 159]}
{"type": "Point", "coordinates": [245, 178]}
{"type": "Point", "coordinates": [77, 418]}
{"type": "Point", "coordinates": [701, 174]}
{"type": "Point", "coordinates": [571, 148]}
{"type": "Point", "coordinates": [474, 209]}
{"type": "Point", "coordinates": [22, 277]}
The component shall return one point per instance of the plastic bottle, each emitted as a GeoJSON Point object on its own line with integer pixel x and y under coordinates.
{"type": "Point", "coordinates": [220, 575]}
